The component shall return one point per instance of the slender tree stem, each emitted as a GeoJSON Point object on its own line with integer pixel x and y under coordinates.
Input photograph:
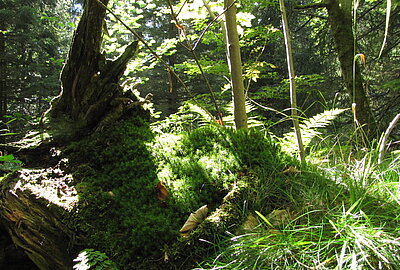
{"type": "Point", "coordinates": [235, 66]}
{"type": "Point", "coordinates": [292, 81]}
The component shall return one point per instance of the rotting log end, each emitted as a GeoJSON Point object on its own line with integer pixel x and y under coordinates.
{"type": "Point", "coordinates": [34, 223]}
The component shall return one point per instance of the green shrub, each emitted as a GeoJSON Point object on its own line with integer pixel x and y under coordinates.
{"type": "Point", "coordinates": [92, 259]}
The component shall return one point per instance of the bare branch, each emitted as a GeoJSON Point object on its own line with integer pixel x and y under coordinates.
{"type": "Point", "coordinates": [312, 6]}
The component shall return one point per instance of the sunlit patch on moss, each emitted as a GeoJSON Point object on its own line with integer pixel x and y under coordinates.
{"type": "Point", "coordinates": [51, 184]}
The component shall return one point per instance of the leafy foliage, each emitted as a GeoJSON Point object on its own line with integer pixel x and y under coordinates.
{"type": "Point", "coordinates": [34, 37]}
{"type": "Point", "coordinates": [345, 220]}
{"type": "Point", "coordinates": [8, 163]}
{"type": "Point", "coordinates": [309, 129]}
{"type": "Point", "coordinates": [92, 259]}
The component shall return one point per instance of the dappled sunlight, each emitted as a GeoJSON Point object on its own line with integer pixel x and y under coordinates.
{"type": "Point", "coordinates": [51, 184]}
{"type": "Point", "coordinates": [94, 176]}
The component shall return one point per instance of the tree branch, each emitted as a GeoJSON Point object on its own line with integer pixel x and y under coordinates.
{"type": "Point", "coordinates": [312, 6]}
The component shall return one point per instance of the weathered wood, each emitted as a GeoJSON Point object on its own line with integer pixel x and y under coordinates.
{"type": "Point", "coordinates": [11, 256]}
{"type": "Point", "coordinates": [90, 83]}
{"type": "Point", "coordinates": [33, 205]}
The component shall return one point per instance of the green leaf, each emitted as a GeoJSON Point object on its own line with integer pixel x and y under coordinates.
{"type": "Point", "coordinates": [9, 134]}
{"type": "Point", "coordinates": [264, 219]}
{"type": "Point", "coordinates": [9, 158]}
{"type": "Point", "coordinates": [71, 24]}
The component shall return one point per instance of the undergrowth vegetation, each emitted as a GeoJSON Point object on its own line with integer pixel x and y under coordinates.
{"type": "Point", "coordinates": [119, 211]}
{"type": "Point", "coordinates": [341, 212]}
{"type": "Point", "coordinates": [338, 211]}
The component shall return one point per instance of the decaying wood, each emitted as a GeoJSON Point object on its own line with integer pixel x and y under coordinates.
{"type": "Point", "coordinates": [90, 82]}
{"type": "Point", "coordinates": [33, 206]}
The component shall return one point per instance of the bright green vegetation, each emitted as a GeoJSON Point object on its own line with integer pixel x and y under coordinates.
{"type": "Point", "coordinates": [335, 212]}
{"type": "Point", "coordinates": [115, 178]}
{"type": "Point", "coordinates": [118, 206]}
{"type": "Point", "coordinates": [345, 218]}
{"type": "Point", "coordinates": [266, 211]}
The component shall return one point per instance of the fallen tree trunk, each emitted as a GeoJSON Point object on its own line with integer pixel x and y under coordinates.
{"type": "Point", "coordinates": [36, 202]}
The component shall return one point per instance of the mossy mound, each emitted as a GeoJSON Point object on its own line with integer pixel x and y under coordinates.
{"type": "Point", "coordinates": [118, 211]}
{"type": "Point", "coordinates": [116, 172]}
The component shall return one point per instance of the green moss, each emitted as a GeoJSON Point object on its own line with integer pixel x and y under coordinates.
{"type": "Point", "coordinates": [115, 177]}
{"type": "Point", "coordinates": [116, 171]}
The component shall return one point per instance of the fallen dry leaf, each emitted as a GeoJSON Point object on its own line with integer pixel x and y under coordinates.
{"type": "Point", "coordinates": [194, 219]}
{"type": "Point", "coordinates": [162, 191]}
{"type": "Point", "coordinates": [291, 170]}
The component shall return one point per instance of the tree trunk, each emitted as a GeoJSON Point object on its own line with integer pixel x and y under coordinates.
{"type": "Point", "coordinates": [34, 223]}
{"type": "Point", "coordinates": [91, 96]}
{"type": "Point", "coordinates": [235, 65]}
{"type": "Point", "coordinates": [340, 19]}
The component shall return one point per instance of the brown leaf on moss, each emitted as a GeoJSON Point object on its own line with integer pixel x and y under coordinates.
{"type": "Point", "coordinates": [291, 170]}
{"type": "Point", "coordinates": [194, 220]}
{"type": "Point", "coordinates": [162, 191]}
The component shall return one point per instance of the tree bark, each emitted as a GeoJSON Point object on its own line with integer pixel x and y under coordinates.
{"type": "Point", "coordinates": [35, 224]}
{"type": "Point", "coordinates": [340, 20]}
{"type": "Point", "coordinates": [90, 84]}
{"type": "Point", "coordinates": [235, 65]}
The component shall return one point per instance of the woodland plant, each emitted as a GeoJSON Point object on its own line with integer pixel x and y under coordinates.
{"type": "Point", "coordinates": [92, 259]}
{"type": "Point", "coordinates": [345, 241]}
{"type": "Point", "coordinates": [343, 214]}
{"type": "Point", "coordinates": [120, 184]}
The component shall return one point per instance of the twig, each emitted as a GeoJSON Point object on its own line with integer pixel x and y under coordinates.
{"type": "Point", "coordinates": [154, 53]}
{"type": "Point", "coordinates": [191, 49]}
{"type": "Point", "coordinates": [382, 147]}
{"type": "Point", "coordinates": [211, 23]}
{"type": "Point", "coordinates": [313, 5]}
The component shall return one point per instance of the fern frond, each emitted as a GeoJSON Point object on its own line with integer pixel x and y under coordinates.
{"type": "Point", "coordinates": [204, 115]}
{"type": "Point", "coordinates": [309, 129]}
{"type": "Point", "coordinates": [252, 121]}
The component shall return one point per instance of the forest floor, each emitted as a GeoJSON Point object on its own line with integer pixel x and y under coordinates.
{"type": "Point", "coordinates": [129, 189]}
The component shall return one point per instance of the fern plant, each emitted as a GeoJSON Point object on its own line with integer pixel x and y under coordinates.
{"type": "Point", "coordinates": [252, 121]}
{"type": "Point", "coordinates": [93, 259]}
{"type": "Point", "coordinates": [204, 117]}
{"type": "Point", "coordinates": [309, 130]}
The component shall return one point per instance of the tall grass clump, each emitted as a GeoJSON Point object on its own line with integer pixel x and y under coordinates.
{"type": "Point", "coordinates": [344, 240]}
{"type": "Point", "coordinates": [342, 212]}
